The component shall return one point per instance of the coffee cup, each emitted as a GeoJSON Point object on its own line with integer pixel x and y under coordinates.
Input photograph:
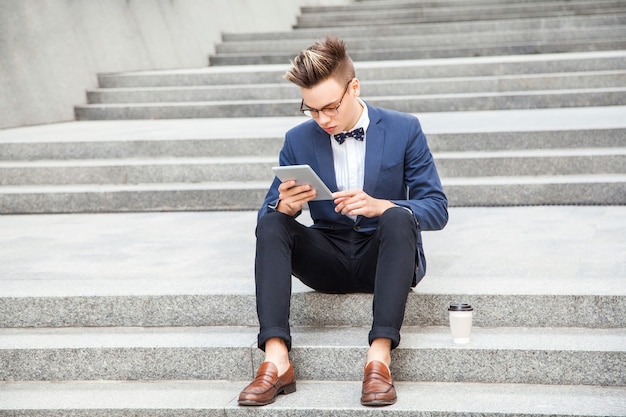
{"type": "Point", "coordinates": [460, 322]}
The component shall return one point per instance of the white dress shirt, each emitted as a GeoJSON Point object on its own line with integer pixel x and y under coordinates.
{"type": "Point", "coordinates": [349, 157]}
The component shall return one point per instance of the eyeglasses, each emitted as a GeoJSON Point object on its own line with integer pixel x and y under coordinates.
{"type": "Point", "coordinates": [328, 111]}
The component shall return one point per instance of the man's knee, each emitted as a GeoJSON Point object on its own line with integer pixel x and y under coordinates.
{"type": "Point", "coordinates": [272, 223]}
{"type": "Point", "coordinates": [398, 219]}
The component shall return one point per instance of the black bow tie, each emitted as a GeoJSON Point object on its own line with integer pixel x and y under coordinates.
{"type": "Point", "coordinates": [358, 134]}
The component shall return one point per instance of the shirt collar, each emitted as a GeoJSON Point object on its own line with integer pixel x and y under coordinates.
{"type": "Point", "coordinates": [363, 121]}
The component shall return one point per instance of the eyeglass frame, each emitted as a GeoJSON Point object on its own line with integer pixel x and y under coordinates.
{"type": "Point", "coordinates": [334, 110]}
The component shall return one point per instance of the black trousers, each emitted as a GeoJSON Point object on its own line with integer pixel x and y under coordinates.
{"type": "Point", "coordinates": [338, 262]}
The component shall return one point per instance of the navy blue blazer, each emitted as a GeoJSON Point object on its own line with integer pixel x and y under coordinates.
{"type": "Point", "coordinates": [398, 167]}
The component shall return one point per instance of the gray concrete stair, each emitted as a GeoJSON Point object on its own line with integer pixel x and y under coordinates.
{"type": "Point", "coordinates": [566, 358]}
{"type": "Point", "coordinates": [410, 30]}
{"type": "Point", "coordinates": [372, 71]}
{"type": "Point", "coordinates": [427, 29]}
{"type": "Point", "coordinates": [614, 96]}
{"type": "Point", "coordinates": [464, 191]}
{"type": "Point", "coordinates": [411, 12]}
{"type": "Point", "coordinates": [499, 355]}
{"type": "Point", "coordinates": [398, 87]}
{"type": "Point", "coordinates": [463, 84]}
{"type": "Point", "coordinates": [136, 298]}
{"type": "Point", "coordinates": [211, 164]}
{"type": "Point", "coordinates": [320, 398]}
{"type": "Point", "coordinates": [581, 161]}
{"type": "Point", "coordinates": [533, 46]}
{"type": "Point", "coordinates": [421, 40]}
{"type": "Point", "coordinates": [194, 307]}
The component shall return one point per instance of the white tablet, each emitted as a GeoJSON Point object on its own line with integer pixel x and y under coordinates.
{"type": "Point", "coordinates": [304, 174]}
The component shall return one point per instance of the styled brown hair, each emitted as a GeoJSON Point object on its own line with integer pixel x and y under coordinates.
{"type": "Point", "coordinates": [321, 61]}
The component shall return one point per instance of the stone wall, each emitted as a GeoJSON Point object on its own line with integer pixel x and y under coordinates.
{"type": "Point", "coordinates": [51, 50]}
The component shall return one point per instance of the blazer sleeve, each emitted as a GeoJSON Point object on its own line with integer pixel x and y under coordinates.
{"type": "Point", "coordinates": [425, 195]}
{"type": "Point", "coordinates": [286, 157]}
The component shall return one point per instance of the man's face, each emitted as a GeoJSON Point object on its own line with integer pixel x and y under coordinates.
{"type": "Point", "coordinates": [326, 96]}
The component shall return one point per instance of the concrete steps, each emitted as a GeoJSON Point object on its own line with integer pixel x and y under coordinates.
{"type": "Point", "coordinates": [452, 28]}
{"type": "Point", "coordinates": [544, 356]}
{"type": "Point", "coordinates": [470, 84]}
{"type": "Point", "coordinates": [372, 71]}
{"type": "Point", "coordinates": [412, 30]}
{"type": "Point", "coordinates": [465, 191]}
{"type": "Point", "coordinates": [531, 157]}
{"type": "Point", "coordinates": [612, 96]}
{"type": "Point", "coordinates": [193, 307]}
{"type": "Point", "coordinates": [322, 398]}
{"type": "Point", "coordinates": [145, 306]}
{"type": "Point", "coordinates": [451, 85]}
{"type": "Point", "coordinates": [373, 13]}
{"type": "Point", "coordinates": [197, 170]}
{"type": "Point", "coordinates": [124, 336]}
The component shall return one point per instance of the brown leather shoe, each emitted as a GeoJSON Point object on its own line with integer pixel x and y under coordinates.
{"type": "Point", "coordinates": [267, 385]}
{"type": "Point", "coordinates": [378, 386]}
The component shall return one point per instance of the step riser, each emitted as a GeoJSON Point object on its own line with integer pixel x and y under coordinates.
{"type": "Point", "coordinates": [434, 53]}
{"type": "Point", "coordinates": [313, 398]}
{"type": "Point", "coordinates": [175, 148]}
{"type": "Point", "coordinates": [311, 310]}
{"type": "Point", "coordinates": [361, 6]}
{"type": "Point", "coordinates": [376, 8]}
{"type": "Point", "coordinates": [433, 15]}
{"type": "Point", "coordinates": [183, 173]}
{"type": "Point", "coordinates": [490, 366]}
{"type": "Point", "coordinates": [502, 141]}
{"type": "Point", "coordinates": [104, 201]}
{"type": "Point", "coordinates": [608, 193]}
{"type": "Point", "coordinates": [261, 171]}
{"type": "Point", "coordinates": [537, 24]}
{"type": "Point", "coordinates": [150, 363]}
{"type": "Point", "coordinates": [462, 68]}
{"type": "Point", "coordinates": [488, 195]}
{"type": "Point", "coordinates": [460, 40]}
{"type": "Point", "coordinates": [485, 167]}
{"type": "Point", "coordinates": [313, 24]}
{"type": "Point", "coordinates": [372, 89]}
{"type": "Point", "coordinates": [288, 108]}
{"type": "Point", "coordinates": [337, 364]}
{"type": "Point", "coordinates": [180, 148]}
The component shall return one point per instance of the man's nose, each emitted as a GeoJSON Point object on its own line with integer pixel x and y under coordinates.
{"type": "Point", "coordinates": [322, 118]}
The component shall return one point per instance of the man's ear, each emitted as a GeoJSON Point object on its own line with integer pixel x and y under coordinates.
{"type": "Point", "coordinates": [355, 87]}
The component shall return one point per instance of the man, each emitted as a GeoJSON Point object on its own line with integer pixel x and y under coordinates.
{"type": "Point", "coordinates": [367, 239]}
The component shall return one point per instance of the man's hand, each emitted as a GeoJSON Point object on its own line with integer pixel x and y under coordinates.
{"type": "Point", "coordinates": [292, 197]}
{"type": "Point", "coordinates": [359, 203]}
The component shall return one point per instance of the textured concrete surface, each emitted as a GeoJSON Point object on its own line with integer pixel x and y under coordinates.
{"type": "Point", "coordinates": [218, 398]}
{"type": "Point", "coordinates": [567, 356]}
{"type": "Point", "coordinates": [536, 120]}
{"type": "Point", "coordinates": [538, 250]}
{"type": "Point", "coordinates": [613, 96]}
{"type": "Point", "coordinates": [566, 265]}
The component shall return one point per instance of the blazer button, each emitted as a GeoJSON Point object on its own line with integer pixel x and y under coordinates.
{"type": "Point", "coordinates": [357, 227]}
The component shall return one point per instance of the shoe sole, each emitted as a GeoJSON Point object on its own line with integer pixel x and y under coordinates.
{"type": "Point", "coordinates": [287, 389]}
{"type": "Point", "coordinates": [378, 403]}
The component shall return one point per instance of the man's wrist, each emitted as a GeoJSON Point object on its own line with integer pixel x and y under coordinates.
{"type": "Point", "coordinates": [286, 209]}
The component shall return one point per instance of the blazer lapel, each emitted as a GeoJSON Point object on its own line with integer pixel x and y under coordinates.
{"type": "Point", "coordinates": [374, 142]}
{"type": "Point", "coordinates": [324, 157]}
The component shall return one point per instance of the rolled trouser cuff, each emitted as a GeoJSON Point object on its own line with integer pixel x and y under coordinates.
{"type": "Point", "coordinates": [385, 333]}
{"type": "Point", "coordinates": [266, 334]}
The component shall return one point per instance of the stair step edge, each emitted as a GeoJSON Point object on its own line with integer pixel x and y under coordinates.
{"type": "Point", "coordinates": [323, 398]}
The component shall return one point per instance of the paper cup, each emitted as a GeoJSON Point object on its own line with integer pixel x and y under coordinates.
{"type": "Point", "coordinates": [460, 322]}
